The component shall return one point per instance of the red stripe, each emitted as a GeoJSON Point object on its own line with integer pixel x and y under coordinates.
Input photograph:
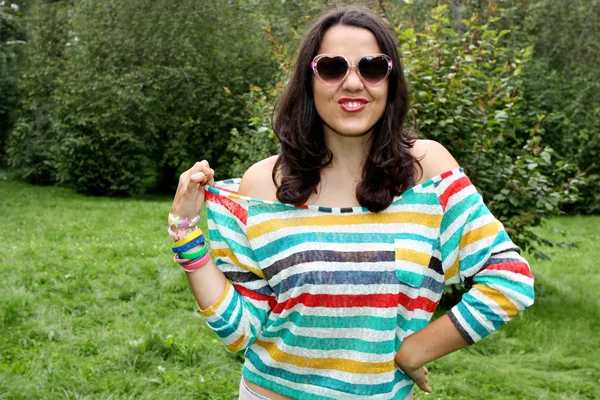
{"type": "Point", "coordinates": [361, 300]}
{"type": "Point", "coordinates": [240, 212]}
{"type": "Point", "coordinates": [446, 174]}
{"type": "Point", "coordinates": [518, 267]}
{"type": "Point", "coordinates": [227, 190]}
{"type": "Point", "coordinates": [454, 188]}
{"type": "Point", "coordinates": [255, 295]}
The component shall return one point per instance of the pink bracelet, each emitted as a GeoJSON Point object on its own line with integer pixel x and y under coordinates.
{"type": "Point", "coordinates": [196, 264]}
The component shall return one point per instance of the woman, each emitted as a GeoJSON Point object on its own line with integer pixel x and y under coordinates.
{"type": "Point", "coordinates": [332, 256]}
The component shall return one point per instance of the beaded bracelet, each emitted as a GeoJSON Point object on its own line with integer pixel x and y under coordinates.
{"type": "Point", "coordinates": [177, 222]}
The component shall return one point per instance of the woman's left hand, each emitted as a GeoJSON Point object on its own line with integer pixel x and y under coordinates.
{"type": "Point", "coordinates": [419, 376]}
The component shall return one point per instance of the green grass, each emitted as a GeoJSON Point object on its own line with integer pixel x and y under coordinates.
{"type": "Point", "coordinates": [93, 307]}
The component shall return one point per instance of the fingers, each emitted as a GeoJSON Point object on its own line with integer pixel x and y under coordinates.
{"type": "Point", "coordinates": [200, 174]}
{"type": "Point", "coordinates": [421, 379]}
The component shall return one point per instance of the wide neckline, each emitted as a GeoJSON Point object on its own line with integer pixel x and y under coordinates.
{"type": "Point", "coordinates": [220, 189]}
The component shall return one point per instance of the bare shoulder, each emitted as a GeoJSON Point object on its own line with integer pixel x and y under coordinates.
{"type": "Point", "coordinates": [435, 159]}
{"type": "Point", "coordinates": [257, 181]}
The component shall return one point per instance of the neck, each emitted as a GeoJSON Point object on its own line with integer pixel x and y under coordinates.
{"type": "Point", "coordinates": [349, 152]}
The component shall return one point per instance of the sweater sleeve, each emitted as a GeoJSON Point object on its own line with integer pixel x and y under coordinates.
{"type": "Point", "coordinates": [477, 253]}
{"type": "Point", "coordinates": [244, 307]}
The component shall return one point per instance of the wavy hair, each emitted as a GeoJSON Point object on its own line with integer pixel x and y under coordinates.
{"type": "Point", "coordinates": [389, 167]}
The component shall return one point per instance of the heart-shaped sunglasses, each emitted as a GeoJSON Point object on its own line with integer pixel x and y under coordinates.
{"type": "Point", "coordinates": [331, 69]}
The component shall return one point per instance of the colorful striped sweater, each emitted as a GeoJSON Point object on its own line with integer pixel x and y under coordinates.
{"type": "Point", "coordinates": [321, 298]}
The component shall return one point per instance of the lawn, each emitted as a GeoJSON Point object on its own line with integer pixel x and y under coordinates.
{"type": "Point", "coordinates": [93, 307]}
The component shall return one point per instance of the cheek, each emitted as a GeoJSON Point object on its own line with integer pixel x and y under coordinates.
{"type": "Point", "coordinates": [323, 102]}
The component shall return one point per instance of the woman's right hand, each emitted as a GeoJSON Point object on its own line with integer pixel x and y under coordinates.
{"type": "Point", "coordinates": [190, 197]}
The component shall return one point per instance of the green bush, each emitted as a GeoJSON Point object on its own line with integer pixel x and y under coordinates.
{"type": "Point", "coordinates": [12, 39]}
{"type": "Point", "coordinates": [467, 94]}
{"type": "Point", "coordinates": [33, 147]}
{"type": "Point", "coordinates": [134, 90]}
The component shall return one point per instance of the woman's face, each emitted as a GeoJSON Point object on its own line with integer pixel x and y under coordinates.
{"type": "Point", "coordinates": [338, 106]}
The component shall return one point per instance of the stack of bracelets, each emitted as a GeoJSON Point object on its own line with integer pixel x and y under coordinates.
{"type": "Point", "coordinates": [187, 235]}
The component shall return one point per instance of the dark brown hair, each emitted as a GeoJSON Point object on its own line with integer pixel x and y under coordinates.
{"type": "Point", "coordinates": [389, 167]}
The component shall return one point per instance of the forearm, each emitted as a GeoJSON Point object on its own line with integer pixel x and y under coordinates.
{"type": "Point", "coordinates": [207, 283]}
{"type": "Point", "coordinates": [430, 343]}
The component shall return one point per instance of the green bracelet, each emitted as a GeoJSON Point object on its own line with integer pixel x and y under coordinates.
{"type": "Point", "coordinates": [190, 255]}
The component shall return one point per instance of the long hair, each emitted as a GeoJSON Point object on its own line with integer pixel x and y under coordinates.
{"type": "Point", "coordinates": [389, 167]}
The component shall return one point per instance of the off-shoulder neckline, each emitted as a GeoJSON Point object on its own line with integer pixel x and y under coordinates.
{"type": "Point", "coordinates": [220, 189]}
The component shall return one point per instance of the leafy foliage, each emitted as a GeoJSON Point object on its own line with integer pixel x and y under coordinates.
{"type": "Point", "coordinates": [466, 93]}
{"type": "Point", "coordinates": [133, 90]}
{"type": "Point", "coordinates": [12, 39]}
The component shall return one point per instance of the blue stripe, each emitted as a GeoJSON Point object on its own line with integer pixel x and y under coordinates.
{"type": "Point", "coordinates": [361, 278]}
{"type": "Point", "coordinates": [455, 212]}
{"type": "Point", "coordinates": [226, 317]}
{"type": "Point", "coordinates": [470, 319]}
{"type": "Point", "coordinates": [277, 246]}
{"type": "Point", "coordinates": [483, 308]}
{"type": "Point", "coordinates": [483, 255]}
{"type": "Point", "coordinates": [319, 380]}
{"type": "Point", "coordinates": [413, 324]}
{"type": "Point", "coordinates": [322, 343]}
{"type": "Point", "coordinates": [236, 247]}
{"type": "Point", "coordinates": [315, 321]}
{"type": "Point", "coordinates": [524, 289]}
{"type": "Point", "coordinates": [429, 199]}
{"type": "Point", "coordinates": [224, 220]}
{"type": "Point", "coordinates": [278, 388]}
{"type": "Point", "coordinates": [494, 260]}
{"type": "Point", "coordinates": [258, 209]}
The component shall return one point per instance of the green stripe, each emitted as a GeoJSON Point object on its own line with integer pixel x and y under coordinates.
{"type": "Point", "coordinates": [455, 212]}
{"type": "Point", "coordinates": [237, 248]}
{"type": "Point", "coordinates": [429, 199]}
{"type": "Point", "coordinates": [317, 343]}
{"type": "Point", "coordinates": [524, 289]}
{"type": "Point", "coordinates": [311, 321]}
{"type": "Point", "coordinates": [224, 220]}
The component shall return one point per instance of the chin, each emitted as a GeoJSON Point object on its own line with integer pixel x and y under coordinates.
{"type": "Point", "coordinates": [354, 130]}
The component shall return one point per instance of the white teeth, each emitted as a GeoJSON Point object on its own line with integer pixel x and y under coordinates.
{"type": "Point", "coordinates": [353, 104]}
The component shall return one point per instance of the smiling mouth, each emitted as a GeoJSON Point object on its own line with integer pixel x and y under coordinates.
{"type": "Point", "coordinates": [352, 105]}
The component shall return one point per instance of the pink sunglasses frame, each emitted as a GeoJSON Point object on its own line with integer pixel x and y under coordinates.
{"type": "Point", "coordinates": [313, 66]}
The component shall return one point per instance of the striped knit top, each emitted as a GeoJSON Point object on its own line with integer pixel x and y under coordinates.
{"type": "Point", "coordinates": [321, 298]}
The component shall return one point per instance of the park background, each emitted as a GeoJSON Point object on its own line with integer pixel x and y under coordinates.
{"type": "Point", "coordinates": [104, 103]}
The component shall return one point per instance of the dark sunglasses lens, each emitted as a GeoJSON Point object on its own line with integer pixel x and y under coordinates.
{"type": "Point", "coordinates": [332, 69]}
{"type": "Point", "coordinates": [373, 69]}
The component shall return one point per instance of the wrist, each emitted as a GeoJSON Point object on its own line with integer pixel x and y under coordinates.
{"type": "Point", "coordinates": [405, 358]}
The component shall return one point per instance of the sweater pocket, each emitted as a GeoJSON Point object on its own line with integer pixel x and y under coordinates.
{"type": "Point", "coordinates": [412, 260]}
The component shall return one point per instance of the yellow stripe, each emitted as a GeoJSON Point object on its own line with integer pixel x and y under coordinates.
{"type": "Point", "coordinates": [227, 252]}
{"type": "Point", "coordinates": [415, 256]}
{"type": "Point", "coordinates": [428, 220]}
{"type": "Point", "coordinates": [213, 309]}
{"type": "Point", "coordinates": [479, 233]}
{"type": "Point", "coordinates": [500, 299]}
{"type": "Point", "coordinates": [340, 364]}
{"type": "Point", "coordinates": [237, 345]}
{"type": "Point", "coordinates": [452, 271]}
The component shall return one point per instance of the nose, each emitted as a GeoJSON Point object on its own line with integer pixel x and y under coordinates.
{"type": "Point", "coordinates": [353, 83]}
